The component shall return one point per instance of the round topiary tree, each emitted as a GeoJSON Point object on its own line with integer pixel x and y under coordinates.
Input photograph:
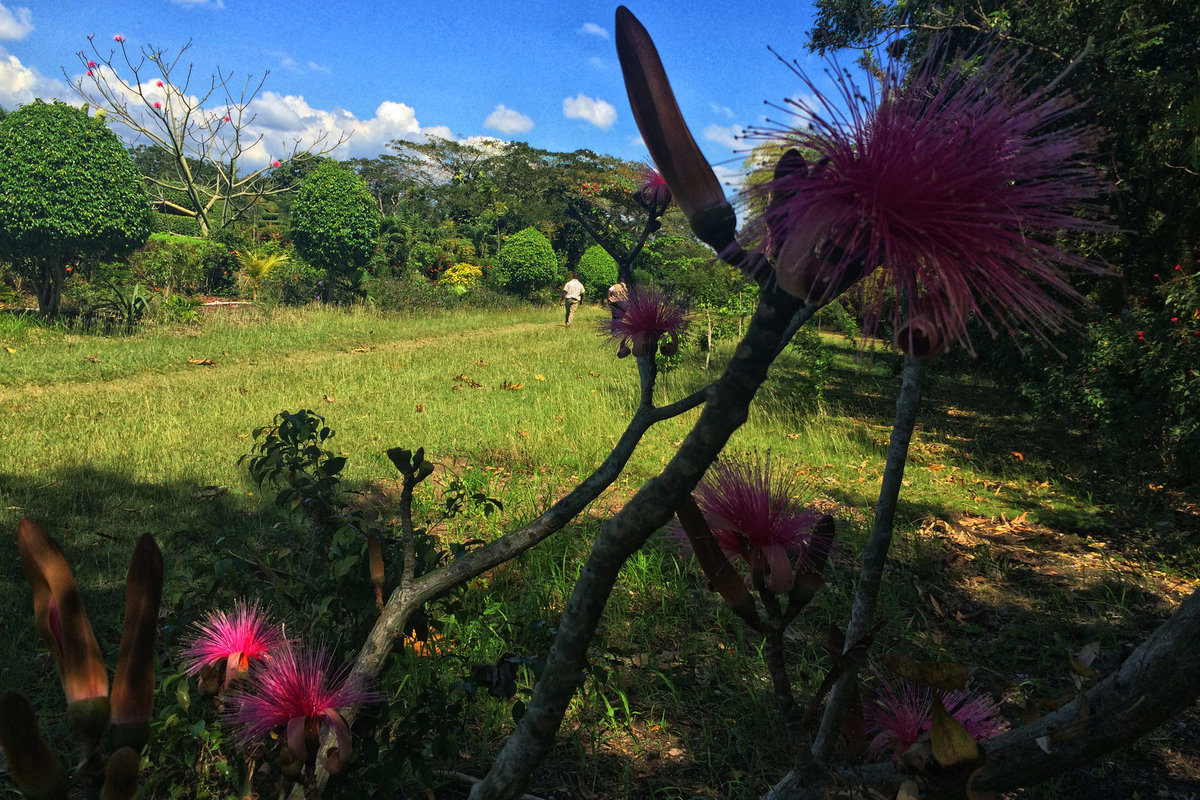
{"type": "Point", "coordinates": [597, 270]}
{"type": "Point", "coordinates": [68, 191]}
{"type": "Point", "coordinates": [526, 263]}
{"type": "Point", "coordinates": [335, 224]}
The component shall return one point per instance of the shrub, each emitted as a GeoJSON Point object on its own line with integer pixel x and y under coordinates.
{"type": "Point", "coordinates": [183, 264]}
{"type": "Point", "coordinates": [174, 223]}
{"type": "Point", "coordinates": [461, 277]}
{"type": "Point", "coordinates": [597, 270]}
{"type": "Point", "coordinates": [526, 263]}
{"type": "Point", "coordinates": [335, 225]}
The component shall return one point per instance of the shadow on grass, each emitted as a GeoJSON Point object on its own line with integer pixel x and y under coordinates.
{"type": "Point", "coordinates": [96, 517]}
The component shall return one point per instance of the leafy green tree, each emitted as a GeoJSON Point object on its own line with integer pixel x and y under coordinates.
{"type": "Point", "coordinates": [335, 224]}
{"type": "Point", "coordinates": [68, 191]}
{"type": "Point", "coordinates": [597, 270]}
{"type": "Point", "coordinates": [527, 263]}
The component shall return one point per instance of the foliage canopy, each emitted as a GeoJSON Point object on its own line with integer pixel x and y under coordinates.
{"type": "Point", "coordinates": [335, 223]}
{"type": "Point", "coordinates": [68, 191]}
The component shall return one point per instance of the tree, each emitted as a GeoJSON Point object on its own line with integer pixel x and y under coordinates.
{"type": "Point", "coordinates": [527, 263]}
{"type": "Point", "coordinates": [335, 224]}
{"type": "Point", "coordinates": [207, 143]}
{"type": "Point", "coordinates": [597, 270]}
{"type": "Point", "coordinates": [68, 191]}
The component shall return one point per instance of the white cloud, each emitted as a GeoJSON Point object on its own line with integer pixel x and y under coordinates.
{"type": "Point", "coordinates": [15, 23]}
{"type": "Point", "coordinates": [315, 67]}
{"type": "Point", "coordinates": [507, 120]}
{"type": "Point", "coordinates": [20, 84]}
{"type": "Point", "coordinates": [597, 112]}
{"type": "Point", "coordinates": [214, 4]}
{"type": "Point", "coordinates": [282, 120]}
{"type": "Point", "coordinates": [724, 111]}
{"type": "Point", "coordinates": [726, 135]}
{"type": "Point", "coordinates": [592, 29]}
{"type": "Point", "coordinates": [638, 141]}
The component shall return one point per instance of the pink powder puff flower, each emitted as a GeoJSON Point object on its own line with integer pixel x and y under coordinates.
{"type": "Point", "coordinates": [274, 163]}
{"type": "Point", "coordinates": [118, 38]}
{"type": "Point", "coordinates": [226, 119]}
{"type": "Point", "coordinates": [157, 104]}
{"type": "Point", "coordinates": [641, 321]}
{"type": "Point", "coordinates": [901, 712]}
{"type": "Point", "coordinates": [158, 84]}
{"type": "Point", "coordinates": [230, 644]}
{"type": "Point", "coordinates": [89, 73]}
{"type": "Point", "coordinates": [759, 516]}
{"type": "Point", "coordinates": [298, 691]}
{"type": "Point", "coordinates": [955, 179]}
{"type": "Point", "coordinates": [654, 192]}
{"type": "Point", "coordinates": [91, 64]}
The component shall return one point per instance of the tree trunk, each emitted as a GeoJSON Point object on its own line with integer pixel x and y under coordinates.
{"type": "Point", "coordinates": [49, 290]}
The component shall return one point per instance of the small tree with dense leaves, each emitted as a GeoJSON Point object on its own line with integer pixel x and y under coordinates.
{"type": "Point", "coordinates": [597, 269]}
{"type": "Point", "coordinates": [335, 223]}
{"type": "Point", "coordinates": [68, 191]}
{"type": "Point", "coordinates": [527, 263]}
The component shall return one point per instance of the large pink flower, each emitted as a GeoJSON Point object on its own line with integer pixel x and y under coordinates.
{"type": "Point", "coordinates": [759, 516]}
{"type": "Point", "coordinates": [298, 690]}
{"type": "Point", "coordinates": [957, 179]}
{"type": "Point", "coordinates": [231, 643]}
{"type": "Point", "coordinates": [654, 192]}
{"type": "Point", "coordinates": [641, 321]}
{"type": "Point", "coordinates": [901, 712]}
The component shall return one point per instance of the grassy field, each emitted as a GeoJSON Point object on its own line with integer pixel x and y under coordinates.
{"type": "Point", "coordinates": [1010, 556]}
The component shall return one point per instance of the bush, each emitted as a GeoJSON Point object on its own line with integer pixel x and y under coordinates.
{"type": "Point", "coordinates": [461, 277]}
{"type": "Point", "coordinates": [174, 223]}
{"type": "Point", "coordinates": [1133, 381]}
{"type": "Point", "coordinates": [597, 270]}
{"type": "Point", "coordinates": [294, 284]}
{"type": "Point", "coordinates": [184, 264]}
{"type": "Point", "coordinates": [526, 263]}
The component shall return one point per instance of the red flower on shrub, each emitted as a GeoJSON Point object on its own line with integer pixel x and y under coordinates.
{"type": "Point", "coordinates": [274, 163]}
{"type": "Point", "coordinates": [118, 38]}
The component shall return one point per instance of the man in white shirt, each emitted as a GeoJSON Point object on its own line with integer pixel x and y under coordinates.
{"type": "Point", "coordinates": [572, 293]}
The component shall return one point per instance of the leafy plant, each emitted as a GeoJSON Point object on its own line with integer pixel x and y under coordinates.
{"type": "Point", "coordinates": [257, 264]}
{"type": "Point", "coordinates": [597, 270]}
{"type": "Point", "coordinates": [125, 307]}
{"type": "Point", "coordinates": [288, 455]}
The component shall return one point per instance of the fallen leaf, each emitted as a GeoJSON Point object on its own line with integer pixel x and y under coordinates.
{"type": "Point", "coordinates": [937, 466]}
{"type": "Point", "coordinates": [1018, 456]}
{"type": "Point", "coordinates": [951, 742]}
{"type": "Point", "coordinates": [358, 350]}
{"type": "Point", "coordinates": [539, 377]}
{"type": "Point", "coordinates": [420, 407]}
{"type": "Point", "coordinates": [11, 349]}
{"type": "Point", "coordinates": [202, 362]}
{"type": "Point", "coordinates": [328, 399]}
{"type": "Point", "coordinates": [512, 386]}
{"type": "Point", "coordinates": [95, 360]}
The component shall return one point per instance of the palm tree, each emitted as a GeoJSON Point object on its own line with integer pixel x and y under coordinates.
{"type": "Point", "coordinates": [256, 264]}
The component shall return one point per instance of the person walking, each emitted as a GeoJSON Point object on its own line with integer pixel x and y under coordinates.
{"type": "Point", "coordinates": [572, 293]}
{"type": "Point", "coordinates": [618, 299]}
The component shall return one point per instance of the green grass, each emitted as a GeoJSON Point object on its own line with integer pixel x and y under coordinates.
{"type": "Point", "coordinates": [106, 438]}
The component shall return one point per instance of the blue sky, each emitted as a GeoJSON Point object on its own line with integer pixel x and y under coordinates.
{"type": "Point", "coordinates": [540, 71]}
